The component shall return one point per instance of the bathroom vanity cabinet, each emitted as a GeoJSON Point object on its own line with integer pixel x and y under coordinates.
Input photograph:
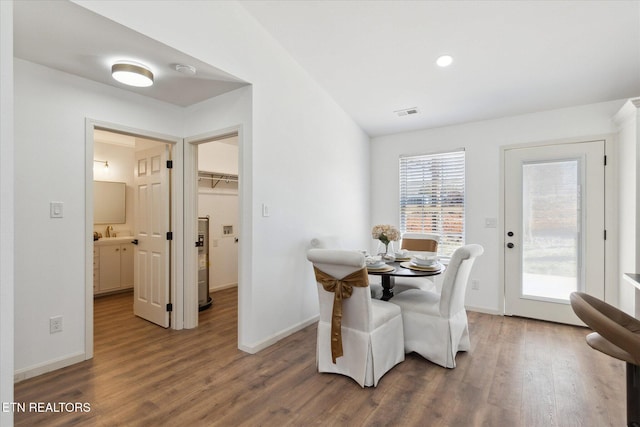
{"type": "Point", "coordinates": [112, 264]}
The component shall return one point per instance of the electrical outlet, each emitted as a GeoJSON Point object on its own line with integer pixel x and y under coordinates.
{"type": "Point", "coordinates": [475, 284]}
{"type": "Point", "coordinates": [55, 324]}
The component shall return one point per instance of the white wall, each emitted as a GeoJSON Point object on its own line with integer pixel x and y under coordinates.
{"type": "Point", "coordinates": [482, 141]}
{"type": "Point", "coordinates": [50, 111]}
{"type": "Point", "coordinates": [6, 209]}
{"type": "Point", "coordinates": [628, 122]}
{"type": "Point", "coordinates": [219, 156]}
{"type": "Point", "coordinates": [222, 209]}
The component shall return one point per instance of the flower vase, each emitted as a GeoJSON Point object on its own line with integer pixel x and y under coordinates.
{"type": "Point", "coordinates": [386, 251]}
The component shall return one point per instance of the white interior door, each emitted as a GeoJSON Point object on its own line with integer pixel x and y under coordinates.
{"type": "Point", "coordinates": [554, 228]}
{"type": "Point", "coordinates": [152, 223]}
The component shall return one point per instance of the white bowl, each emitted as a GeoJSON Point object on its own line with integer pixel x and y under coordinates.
{"type": "Point", "coordinates": [424, 261]}
{"type": "Point", "coordinates": [374, 262]}
{"type": "Point", "coordinates": [378, 265]}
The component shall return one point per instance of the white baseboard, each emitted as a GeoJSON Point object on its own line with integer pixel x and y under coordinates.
{"type": "Point", "coordinates": [484, 310]}
{"type": "Point", "coordinates": [43, 368]}
{"type": "Point", "coordinates": [254, 348]}
{"type": "Point", "coordinates": [221, 287]}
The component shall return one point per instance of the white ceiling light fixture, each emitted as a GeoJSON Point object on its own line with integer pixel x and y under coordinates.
{"type": "Point", "coordinates": [444, 61]}
{"type": "Point", "coordinates": [132, 74]}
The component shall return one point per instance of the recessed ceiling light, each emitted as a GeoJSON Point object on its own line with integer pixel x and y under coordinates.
{"type": "Point", "coordinates": [132, 74]}
{"type": "Point", "coordinates": [444, 60]}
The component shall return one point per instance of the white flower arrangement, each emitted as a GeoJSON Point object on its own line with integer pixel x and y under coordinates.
{"type": "Point", "coordinates": [385, 233]}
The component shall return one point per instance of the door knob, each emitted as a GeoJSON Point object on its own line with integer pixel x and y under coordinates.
{"type": "Point", "coordinates": [510, 234]}
{"type": "Point", "coordinates": [510, 245]}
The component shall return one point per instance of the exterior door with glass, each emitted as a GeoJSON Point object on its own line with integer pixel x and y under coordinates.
{"type": "Point", "coordinates": [554, 228]}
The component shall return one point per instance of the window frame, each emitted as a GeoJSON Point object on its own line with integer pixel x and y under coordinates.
{"type": "Point", "coordinates": [439, 176]}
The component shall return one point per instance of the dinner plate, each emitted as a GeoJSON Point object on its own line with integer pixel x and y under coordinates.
{"type": "Point", "coordinates": [381, 268]}
{"type": "Point", "coordinates": [412, 266]}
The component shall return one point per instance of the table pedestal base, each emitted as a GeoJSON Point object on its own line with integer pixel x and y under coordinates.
{"type": "Point", "coordinates": [387, 287]}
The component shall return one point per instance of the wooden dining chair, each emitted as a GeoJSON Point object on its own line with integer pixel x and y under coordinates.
{"type": "Point", "coordinates": [369, 330]}
{"type": "Point", "coordinates": [417, 243]}
{"type": "Point", "coordinates": [420, 242]}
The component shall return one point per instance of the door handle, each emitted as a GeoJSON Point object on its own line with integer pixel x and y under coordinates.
{"type": "Point", "coordinates": [510, 245]}
{"type": "Point", "coordinates": [134, 241]}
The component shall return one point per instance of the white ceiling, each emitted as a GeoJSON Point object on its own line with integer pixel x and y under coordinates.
{"type": "Point", "coordinates": [375, 57]}
{"type": "Point", "coordinates": [510, 57]}
{"type": "Point", "coordinates": [80, 42]}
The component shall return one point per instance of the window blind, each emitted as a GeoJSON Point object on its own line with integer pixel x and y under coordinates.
{"type": "Point", "coordinates": [432, 195]}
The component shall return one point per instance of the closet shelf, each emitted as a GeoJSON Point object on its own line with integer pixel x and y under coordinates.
{"type": "Point", "coordinates": [215, 178]}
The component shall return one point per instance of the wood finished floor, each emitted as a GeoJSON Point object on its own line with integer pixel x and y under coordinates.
{"type": "Point", "coordinates": [519, 372]}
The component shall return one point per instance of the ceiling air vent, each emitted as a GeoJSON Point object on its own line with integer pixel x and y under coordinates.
{"type": "Point", "coordinates": [406, 111]}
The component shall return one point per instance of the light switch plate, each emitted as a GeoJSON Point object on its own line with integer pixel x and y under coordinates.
{"type": "Point", "coordinates": [56, 209]}
{"type": "Point", "coordinates": [490, 222]}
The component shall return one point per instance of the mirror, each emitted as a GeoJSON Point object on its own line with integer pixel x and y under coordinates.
{"type": "Point", "coordinates": [109, 202]}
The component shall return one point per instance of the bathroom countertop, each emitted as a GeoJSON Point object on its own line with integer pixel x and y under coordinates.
{"type": "Point", "coordinates": [103, 241]}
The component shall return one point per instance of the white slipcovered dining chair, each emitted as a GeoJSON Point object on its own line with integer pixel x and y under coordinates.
{"type": "Point", "coordinates": [332, 242]}
{"type": "Point", "coordinates": [416, 244]}
{"type": "Point", "coordinates": [369, 331]}
{"type": "Point", "coordinates": [435, 325]}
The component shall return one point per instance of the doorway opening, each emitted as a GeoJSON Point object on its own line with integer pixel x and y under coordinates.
{"type": "Point", "coordinates": [212, 188]}
{"type": "Point", "coordinates": [133, 250]}
{"type": "Point", "coordinates": [218, 216]}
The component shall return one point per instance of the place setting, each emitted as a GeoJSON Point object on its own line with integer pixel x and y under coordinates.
{"type": "Point", "coordinates": [377, 264]}
{"type": "Point", "coordinates": [423, 263]}
{"type": "Point", "coordinates": [402, 255]}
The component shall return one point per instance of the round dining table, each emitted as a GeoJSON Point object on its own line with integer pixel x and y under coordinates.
{"type": "Point", "coordinates": [400, 269]}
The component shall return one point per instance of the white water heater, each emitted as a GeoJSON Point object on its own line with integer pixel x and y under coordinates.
{"type": "Point", "coordinates": [204, 300]}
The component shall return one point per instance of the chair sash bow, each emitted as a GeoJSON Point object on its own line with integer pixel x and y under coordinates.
{"type": "Point", "coordinates": [342, 289]}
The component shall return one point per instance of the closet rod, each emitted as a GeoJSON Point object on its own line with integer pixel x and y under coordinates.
{"type": "Point", "coordinates": [218, 179]}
